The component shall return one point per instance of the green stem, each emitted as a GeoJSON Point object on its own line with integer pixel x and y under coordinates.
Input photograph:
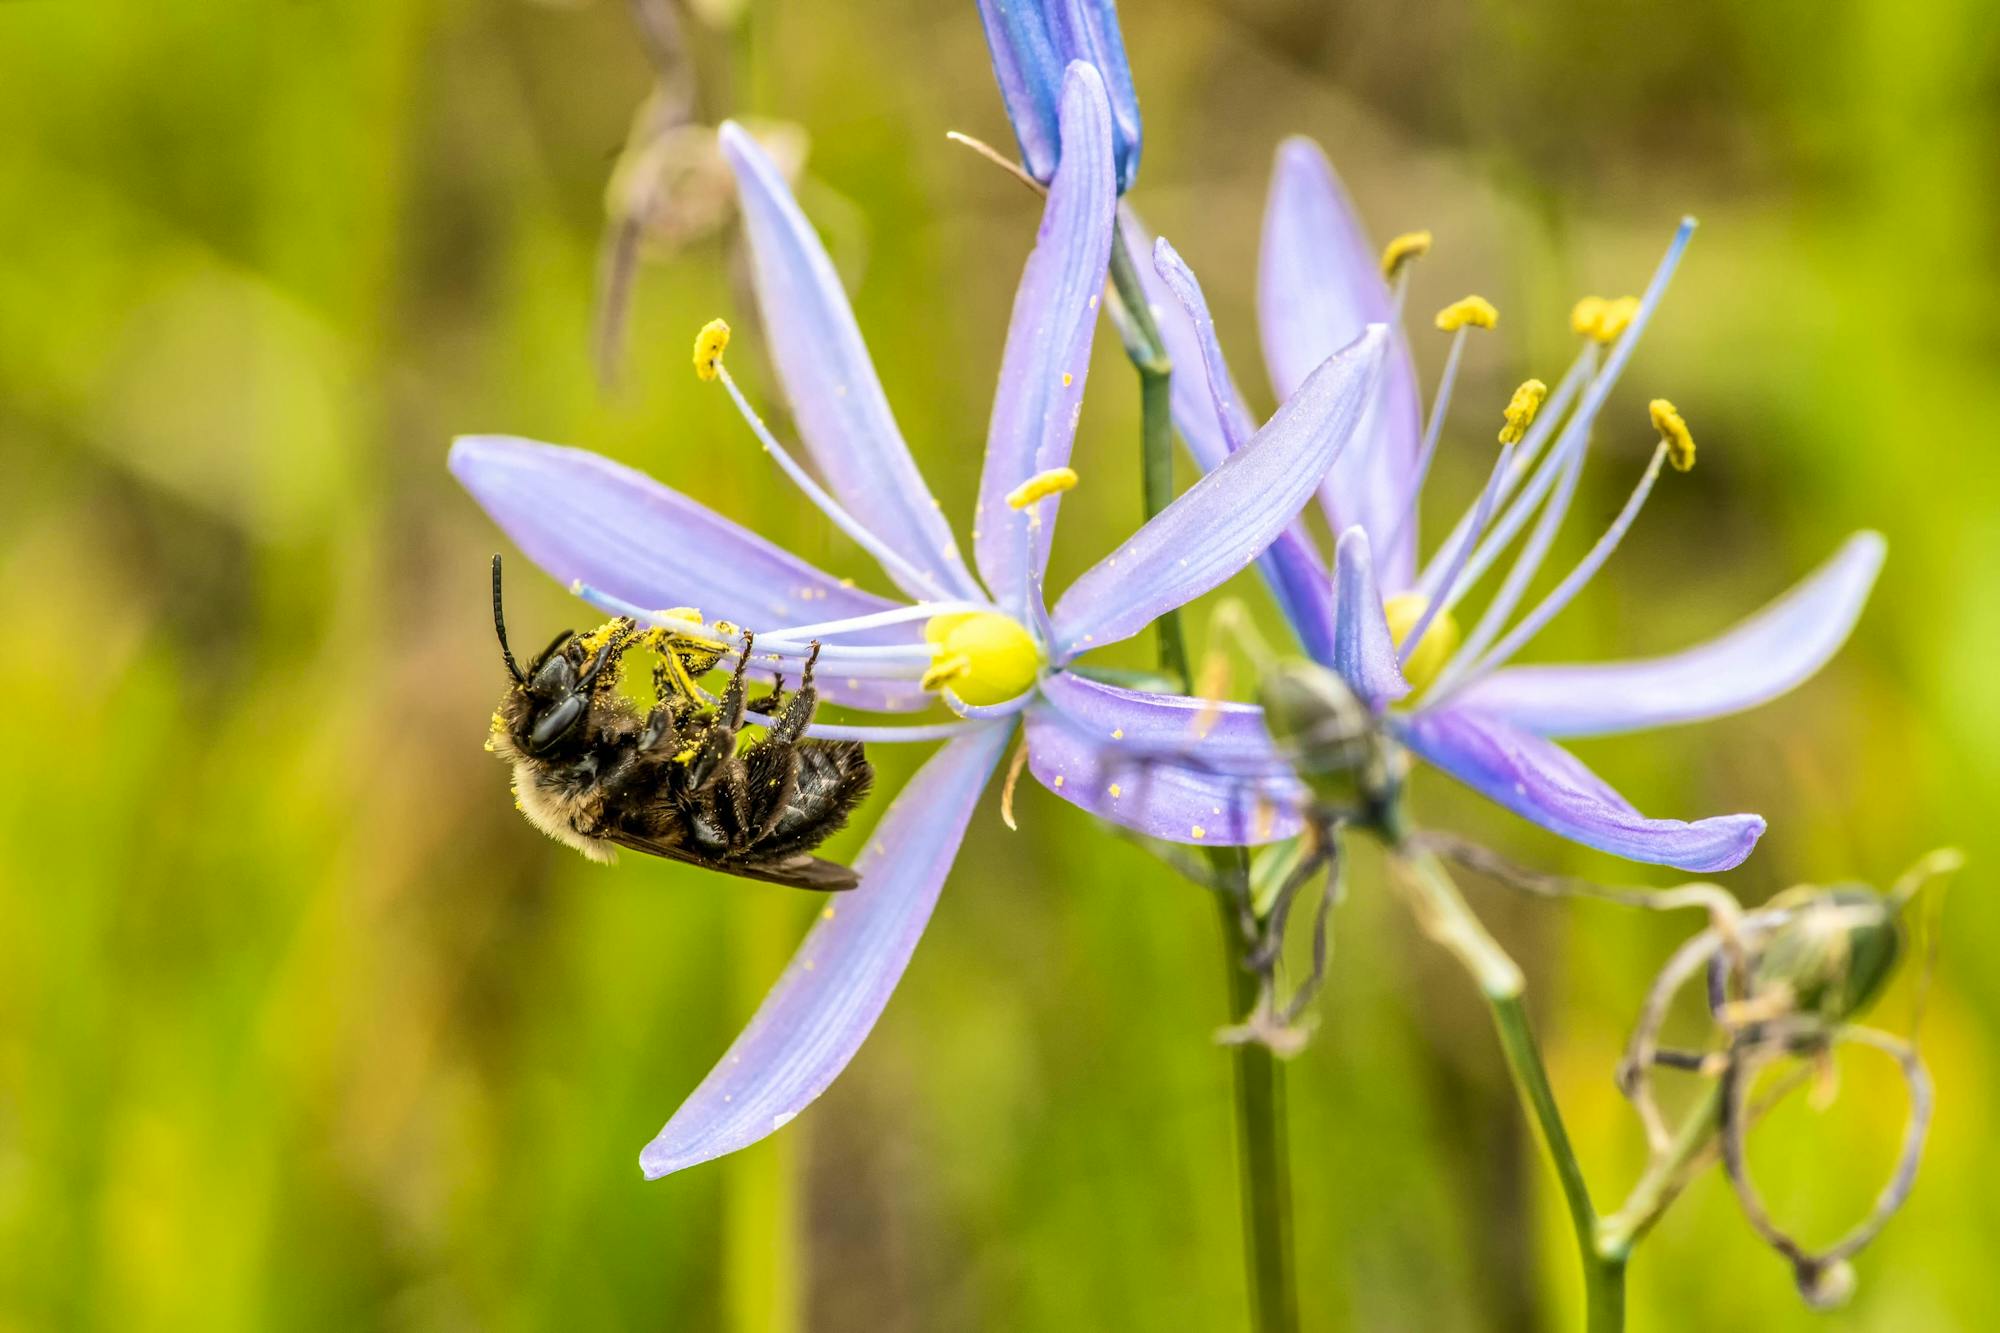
{"type": "Point", "coordinates": [1664, 1179]}
{"type": "Point", "coordinates": [1148, 354]}
{"type": "Point", "coordinates": [1445, 915]}
{"type": "Point", "coordinates": [1263, 1155]}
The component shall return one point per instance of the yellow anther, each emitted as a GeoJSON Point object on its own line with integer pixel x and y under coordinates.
{"type": "Point", "coordinates": [1618, 316]}
{"type": "Point", "coordinates": [1586, 314]}
{"type": "Point", "coordinates": [1475, 311]}
{"type": "Point", "coordinates": [1603, 319]}
{"type": "Point", "coordinates": [708, 349]}
{"type": "Point", "coordinates": [1403, 611]}
{"type": "Point", "coordinates": [1521, 409]}
{"type": "Point", "coordinates": [1409, 246]}
{"type": "Point", "coordinates": [984, 656]}
{"type": "Point", "coordinates": [1673, 433]}
{"type": "Point", "coordinates": [1040, 486]}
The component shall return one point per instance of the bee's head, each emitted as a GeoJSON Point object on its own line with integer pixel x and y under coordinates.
{"type": "Point", "coordinates": [552, 697]}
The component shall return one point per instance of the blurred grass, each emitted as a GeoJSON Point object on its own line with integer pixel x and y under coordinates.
{"type": "Point", "coordinates": [300, 1026]}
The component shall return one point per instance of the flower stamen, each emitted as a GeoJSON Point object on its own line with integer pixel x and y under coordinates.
{"type": "Point", "coordinates": [1520, 410]}
{"type": "Point", "coordinates": [1475, 311]}
{"type": "Point", "coordinates": [985, 657]}
{"type": "Point", "coordinates": [1673, 434]}
{"type": "Point", "coordinates": [708, 349]}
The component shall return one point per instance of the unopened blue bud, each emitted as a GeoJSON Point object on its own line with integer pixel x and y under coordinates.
{"type": "Point", "coordinates": [1033, 42]}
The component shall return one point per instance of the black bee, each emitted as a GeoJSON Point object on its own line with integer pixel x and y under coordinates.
{"type": "Point", "coordinates": [590, 772]}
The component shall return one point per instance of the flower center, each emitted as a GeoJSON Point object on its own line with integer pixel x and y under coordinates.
{"type": "Point", "coordinates": [984, 656]}
{"type": "Point", "coordinates": [1440, 641]}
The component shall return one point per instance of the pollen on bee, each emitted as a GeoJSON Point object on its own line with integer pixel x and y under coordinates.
{"type": "Point", "coordinates": [1673, 433]}
{"type": "Point", "coordinates": [1054, 481]}
{"type": "Point", "coordinates": [1520, 410]}
{"type": "Point", "coordinates": [1400, 251]}
{"type": "Point", "coordinates": [1474, 311]}
{"type": "Point", "coordinates": [708, 348]}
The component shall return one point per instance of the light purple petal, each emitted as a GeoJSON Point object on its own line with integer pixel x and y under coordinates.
{"type": "Point", "coordinates": [1319, 284]}
{"type": "Point", "coordinates": [830, 995]}
{"type": "Point", "coordinates": [842, 413]}
{"type": "Point", "coordinates": [1364, 651]}
{"type": "Point", "coordinates": [1759, 659]}
{"type": "Point", "coordinates": [586, 519]}
{"type": "Point", "coordinates": [1048, 347]}
{"type": "Point", "coordinates": [1225, 520]}
{"type": "Point", "coordinates": [1545, 784]}
{"type": "Point", "coordinates": [1204, 395]}
{"type": "Point", "coordinates": [1181, 769]}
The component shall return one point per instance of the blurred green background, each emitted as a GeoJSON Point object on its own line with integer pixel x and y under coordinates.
{"type": "Point", "coordinates": [301, 1026]}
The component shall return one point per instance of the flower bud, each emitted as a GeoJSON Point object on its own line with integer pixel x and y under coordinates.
{"type": "Point", "coordinates": [1835, 954]}
{"type": "Point", "coordinates": [1032, 43]}
{"type": "Point", "coordinates": [1328, 736]}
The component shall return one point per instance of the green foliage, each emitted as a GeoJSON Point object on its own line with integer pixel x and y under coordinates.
{"type": "Point", "coordinates": [301, 1026]}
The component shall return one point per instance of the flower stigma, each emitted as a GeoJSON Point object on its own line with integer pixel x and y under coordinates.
{"type": "Point", "coordinates": [986, 657]}
{"type": "Point", "coordinates": [1411, 245]}
{"type": "Point", "coordinates": [1673, 433]}
{"type": "Point", "coordinates": [709, 345]}
{"type": "Point", "coordinates": [1404, 612]}
{"type": "Point", "coordinates": [1468, 312]}
{"type": "Point", "coordinates": [1520, 410]}
{"type": "Point", "coordinates": [1040, 486]}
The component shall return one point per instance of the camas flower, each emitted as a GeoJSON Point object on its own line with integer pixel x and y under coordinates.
{"type": "Point", "coordinates": [1032, 43]}
{"type": "Point", "coordinates": [987, 644]}
{"type": "Point", "coordinates": [1455, 701]}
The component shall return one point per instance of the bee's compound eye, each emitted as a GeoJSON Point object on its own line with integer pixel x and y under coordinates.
{"type": "Point", "coordinates": [554, 677]}
{"type": "Point", "coordinates": [557, 723]}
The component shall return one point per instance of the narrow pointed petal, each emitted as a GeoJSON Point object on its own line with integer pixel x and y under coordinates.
{"type": "Point", "coordinates": [1545, 784]}
{"type": "Point", "coordinates": [1759, 659]}
{"type": "Point", "coordinates": [842, 414]}
{"type": "Point", "coordinates": [1048, 348]}
{"type": "Point", "coordinates": [586, 519]}
{"type": "Point", "coordinates": [1195, 413]}
{"type": "Point", "coordinates": [1319, 285]}
{"type": "Point", "coordinates": [1220, 425]}
{"type": "Point", "coordinates": [1364, 650]}
{"type": "Point", "coordinates": [1186, 770]}
{"type": "Point", "coordinates": [829, 997]}
{"type": "Point", "coordinates": [1225, 520]}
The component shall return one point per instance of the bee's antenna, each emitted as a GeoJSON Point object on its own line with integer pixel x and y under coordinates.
{"type": "Point", "coordinates": [500, 627]}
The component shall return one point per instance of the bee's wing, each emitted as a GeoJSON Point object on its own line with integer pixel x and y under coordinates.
{"type": "Point", "coordinates": [798, 872]}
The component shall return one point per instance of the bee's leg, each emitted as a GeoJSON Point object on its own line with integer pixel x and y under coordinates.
{"type": "Point", "coordinates": [771, 702]}
{"type": "Point", "coordinates": [772, 775]}
{"type": "Point", "coordinates": [719, 743]}
{"type": "Point", "coordinates": [798, 715]}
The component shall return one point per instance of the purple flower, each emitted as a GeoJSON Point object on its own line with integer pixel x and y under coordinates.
{"type": "Point", "coordinates": [986, 644]}
{"type": "Point", "coordinates": [1383, 620]}
{"type": "Point", "coordinates": [1033, 42]}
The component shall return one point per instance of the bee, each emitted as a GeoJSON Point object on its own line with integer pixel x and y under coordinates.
{"type": "Point", "coordinates": [593, 774]}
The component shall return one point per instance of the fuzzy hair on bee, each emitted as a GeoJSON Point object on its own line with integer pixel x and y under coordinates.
{"type": "Point", "coordinates": [594, 774]}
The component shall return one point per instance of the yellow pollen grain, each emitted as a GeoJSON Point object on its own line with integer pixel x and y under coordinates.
{"type": "Point", "coordinates": [1199, 832]}
{"type": "Point", "coordinates": [1059, 779]}
{"type": "Point", "coordinates": [1400, 251]}
{"type": "Point", "coordinates": [1068, 379]}
{"type": "Point", "coordinates": [1118, 734]}
{"type": "Point", "coordinates": [1521, 409]}
{"type": "Point", "coordinates": [1116, 791]}
{"type": "Point", "coordinates": [826, 915]}
{"type": "Point", "coordinates": [1040, 486]}
{"type": "Point", "coordinates": [1673, 433]}
{"type": "Point", "coordinates": [1474, 311]}
{"type": "Point", "coordinates": [708, 348]}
